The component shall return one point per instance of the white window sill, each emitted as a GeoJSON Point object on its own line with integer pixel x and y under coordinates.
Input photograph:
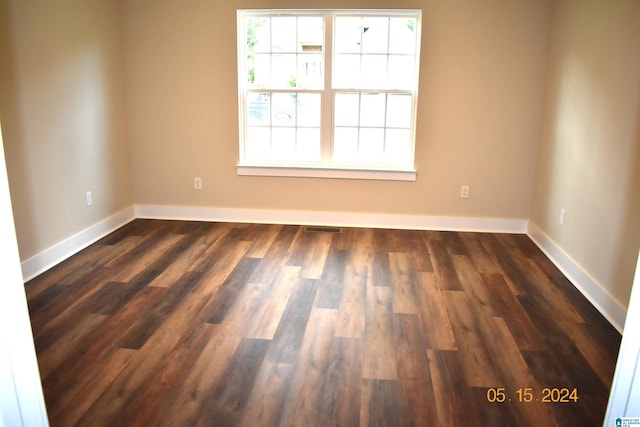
{"type": "Point", "coordinates": [323, 172]}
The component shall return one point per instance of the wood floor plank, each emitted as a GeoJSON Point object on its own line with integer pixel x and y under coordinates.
{"type": "Point", "coordinates": [276, 256]}
{"type": "Point", "coordinates": [290, 332]}
{"type": "Point", "coordinates": [479, 255]}
{"type": "Point", "coordinates": [64, 272]}
{"type": "Point", "coordinates": [223, 267]}
{"type": "Point", "coordinates": [564, 310]}
{"type": "Point", "coordinates": [415, 396]}
{"type": "Point", "coordinates": [476, 361]}
{"type": "Point", "coordinates": [379, 358]}
{"type": "Point", "coordinates": [600, 360]}
{"type": "Point", "coordinates": [315, 259]}
{"type": "Point", "coordinates": [508, 307]}
{"type": "Point", "coordinates": [265, 321]}
{"type": "Point", "coordinates": [268, 396]}
{"type": "Point", "coordinates": [43, 318]}
{"type": "Point", "coordinates": [379, 405]}
{"type": "Point", "coordinates": [98, 345]}
{"type": "Point", "coordinates": [331, 283]}
{"type": "Point", "coordinates": [141, 371]}
{"type": "Point", "coordinates": [474, 286]}
{"type": "Point", "coordinates": [193, 323]}
{"type": "Point", "coordinates": [143, 410]}
{"type": "Point", "coordinates": [353, 305]}
{"type": "Point", "coordinates": [549, 373]}
{"type": "Point", "coordinates": [262, 236]}
{"type": "Point", "coordinates": [443, 266]}
{"type": "Point", "coordinates": [448, 379]}
{"type": "Point", "coordinates": [220, 236]}
{"type": "Point", "coordinates": [77, 399]}
{"type": "Point", "coordinates": [380, 270]}
{"type": "Point", "coordinates": [143, 256]}
{"type": "Point", "coordinates": [228, 292]}
{"type": "Point", "coordinates": [230, 397]}
{"type": "Point", "coordinates": [60, 347]}
{"type": "Point", "coordinates": [183, 261]}
{"type": "Point", "coordinates": [563, 351]}
{"type": "Point", "coordinates": [191, 394]}
{"type": "Point", "coordinates": [164, 305]}
{"type": "Point", "coordinates": [454, 243]}
{"type": "Point", "coordinates": [511, 367]}
{"type": "Point", "coordinates": [342, 395]}
{"type": "Point", "coordinates": [47, 330]}
{"type": "Point", "coordinates": [507, 265]}
{"type": "Point", "coordinates": [403, 282]}
{"type": "Point", "coordinates": [443, 386]}
{"type": "Point", "coordinates": [362, 248]}
{"type": "Point", "coordinates": [436, 324]}
{"type": "Point", "coordinates": [304, 401]}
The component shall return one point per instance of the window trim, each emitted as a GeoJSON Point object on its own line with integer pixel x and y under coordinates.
{"type": "Point", "coordinates": [326, 169]}
{"type": "Point", "coordinates": [246, 169]}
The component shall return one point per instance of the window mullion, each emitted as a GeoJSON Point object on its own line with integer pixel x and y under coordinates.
{"type": "Point", "coordinates": [384, 124]}
{"type": "Point", "coordinates": [327, 118]}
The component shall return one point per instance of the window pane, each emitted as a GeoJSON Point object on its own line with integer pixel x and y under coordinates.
{"type": "Point", "coordinates": [258, 34]}
{"type": "Point", "coordinates": [283, 71]}
{"type": "Point", "coordinates": [283, 34]}
{"type": "Point", "coordinates": [258, 144]}
{"type": "Point", "coordinates": [371, 145]}
{"type": "Point", "coordinates": [283, 109]}
{"type": "Point", "coordinates": [310, 72]}
{"type": "Point", "coordinates": [374, 71]}
{"type": "Point", "coordinates": [310, 34]}
{"type": "Point", "coordinates": [346, 72]}
{"type": "Point", "coordinates": [260, 75]}
{"type": "Point", "coordinates": [308, 145]}
{"type": "Point", "coordinates": [399, 111]}
{"type": "Point", "coordinates": [283, 145]}
{"type": "Point", "coordinates": [345, 147]}
{"type": "Point", "coordinates": [401, 72]}
{"type": "Point", "coordinates": [402, 37]}
{"type": "Point", "coordinates": [347, 109]}
{"type": "Point", "coordinates": [397, 145]}
{"type": "Point", "coordinates": [259, 108]}
{"type": "Point", "coordinates": [375, 35]}
{"type": "Point", "coordinates": [348, 34]}
{"type": "Point", "coordinates": [309, 105]}
{"type": "Point", "coordinates": [372, 111]}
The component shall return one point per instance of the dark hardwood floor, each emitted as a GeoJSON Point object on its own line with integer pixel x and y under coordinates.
{"type": "Point", "coordinates": [188, 323]}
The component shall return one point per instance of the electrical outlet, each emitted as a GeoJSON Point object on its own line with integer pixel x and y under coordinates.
{"type": "Point", "coordinates": [197, 183]}
{"type": "Point", "coordinates": [563, 215]}
{"type": "Point", "coordinates": [464, 192]}
{"type": "Point", "coordinates": [89, 198]}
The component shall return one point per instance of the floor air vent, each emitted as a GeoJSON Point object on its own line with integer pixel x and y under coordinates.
{"type": "Point", "coordinates": [314, 229]}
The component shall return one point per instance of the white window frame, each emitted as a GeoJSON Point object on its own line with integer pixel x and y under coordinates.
{"type": "Point", "coordinates": [326, 168]}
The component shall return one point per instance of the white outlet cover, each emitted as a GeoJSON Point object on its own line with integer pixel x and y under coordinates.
{"type": "Point", "coordinates": [464, 192]}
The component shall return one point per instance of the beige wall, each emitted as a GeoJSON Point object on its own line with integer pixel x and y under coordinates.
{"type": "Point", "coordinates": [481, 95]}
{"type": "Point", "coordinates": [62, 111]}
{"type": "Point", "coordinates": [589, 160]}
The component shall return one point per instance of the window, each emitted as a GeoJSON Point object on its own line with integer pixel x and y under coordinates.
{"type": "Point", "coordinates": [328, 93]}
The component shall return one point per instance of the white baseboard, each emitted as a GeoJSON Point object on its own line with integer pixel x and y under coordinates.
{"type": "Point", "coordinates": [57, 253]}
{"type": "Point", "coordinates": [597, 294]}
{"type": "Point", "coordinates": [341, 219]}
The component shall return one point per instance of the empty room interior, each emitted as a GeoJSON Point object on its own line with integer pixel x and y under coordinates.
{"type": "Point", "coordinates": [173, 277]}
